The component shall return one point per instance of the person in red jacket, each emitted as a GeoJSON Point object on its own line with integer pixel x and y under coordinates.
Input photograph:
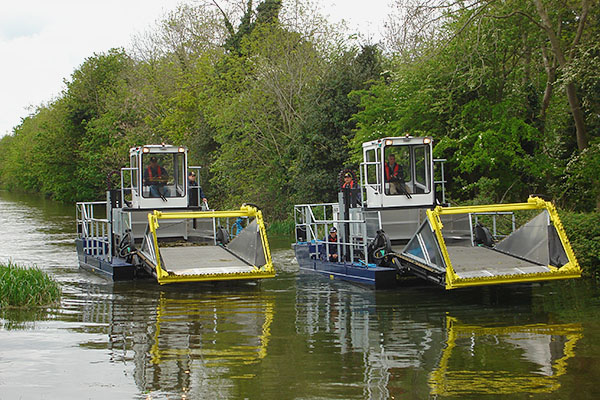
{"type": "Point", "coordinates": [156, 176]}
{"type": "Point", "coordinates": [355, 197]}
{"type": "Point", "coordinates": [394, 175]}
{"type": "Point", "coordinates": [349, 181]}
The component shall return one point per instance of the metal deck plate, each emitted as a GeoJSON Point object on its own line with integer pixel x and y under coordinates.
{"type": "Point", "coordinates": [201, 260]}
{"type": "Point", "coordinates": [472, 262]}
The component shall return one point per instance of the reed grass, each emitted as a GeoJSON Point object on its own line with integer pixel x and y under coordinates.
{"type": "Point", "coordinates": [285, 227]}
{"type": "Point", "coordinates": [26, 286]}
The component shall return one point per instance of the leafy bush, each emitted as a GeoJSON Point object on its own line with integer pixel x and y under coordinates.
{"type": "Point", "coordinates": [583, 230]}
{"type": "Point", "coordinates": [284, 227]}
{"type": "Point", "coordinates": [580, 185]}
{"type": "Point", "coordinates": [26, 287]}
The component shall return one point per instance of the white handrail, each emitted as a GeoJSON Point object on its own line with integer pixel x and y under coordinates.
{"type": "Point", "coordinates": [312, 224]}
{"type": "Point", "coordinates": [93, 231]}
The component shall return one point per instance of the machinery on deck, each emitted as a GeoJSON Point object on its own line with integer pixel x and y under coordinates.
{"type": "Point", "coordinates": [399, 201]}
{"type": "Point", "coordinates": [153, 226]}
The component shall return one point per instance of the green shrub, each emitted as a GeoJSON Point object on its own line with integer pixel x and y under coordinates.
{"type": "Point", "coordinates": [285, 227]}
{"type": "Point", "coordinates": [583, 230]}
{"type": "Point", "coordinates": [26, 287]}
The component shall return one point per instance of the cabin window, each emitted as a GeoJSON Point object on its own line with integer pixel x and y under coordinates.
{"type": "Point", "coordinates": [422, 169]}
{"type": "Point", "coordinates": [371, 167]}
{"type": "Point", "coordinates": [163, 175]}
{"type": "Point", "coordinates": [406, 169]}
{"type": "Point", "coordinates": [397, 170]}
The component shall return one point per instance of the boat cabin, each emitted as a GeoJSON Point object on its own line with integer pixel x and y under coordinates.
{"type": "Point", "coordinates": [156, 177]}
{"type": "Point", "coordinates": [397, 172]}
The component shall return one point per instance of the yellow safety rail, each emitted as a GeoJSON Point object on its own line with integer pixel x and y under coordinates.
{"type": "Point", "coordinates": [453, 281]}
{"type": "Point", "coordinates": [264, 271]}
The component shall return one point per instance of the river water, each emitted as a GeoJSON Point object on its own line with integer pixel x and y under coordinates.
{"type": "Point", "coordinates": [298, 336]}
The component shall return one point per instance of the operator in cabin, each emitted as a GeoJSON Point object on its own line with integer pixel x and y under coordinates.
{"type": "Point", "coordinates": [393, 175]}
{"type": "Point", "coordinates": [156, 177]}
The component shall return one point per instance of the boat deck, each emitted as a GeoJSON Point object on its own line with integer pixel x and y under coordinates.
{"type": "Point", "coordinates": [201, 260]}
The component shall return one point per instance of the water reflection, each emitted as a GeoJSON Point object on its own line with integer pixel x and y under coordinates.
{"type": "Point", "coordinates": [193, 341]}
{"type": "Point", "coordinates": [528, 358]}
{"type": "Point", "coordinates": [429, 353]}
{"type": "Point", "coordinates": [298, 336]}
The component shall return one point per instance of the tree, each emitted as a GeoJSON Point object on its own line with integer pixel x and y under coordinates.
{"type": "Point", "coordinates": [328, 126]}
{"type": "Point", "coordinates": [561, 57]}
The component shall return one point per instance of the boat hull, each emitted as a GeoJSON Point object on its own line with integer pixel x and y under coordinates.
{"type": "Point", "coordinates": [116, 270]}
{"type": "Point", "coordinates": [377, 277]}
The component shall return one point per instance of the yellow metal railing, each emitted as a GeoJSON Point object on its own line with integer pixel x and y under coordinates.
{"type": "Point", "coordinates": [263, 271]}
{"type": "Point", "coordinates": [453, 281]}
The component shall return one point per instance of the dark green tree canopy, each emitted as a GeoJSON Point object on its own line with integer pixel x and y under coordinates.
{"type": "Point", "coordinates": [273, 102]}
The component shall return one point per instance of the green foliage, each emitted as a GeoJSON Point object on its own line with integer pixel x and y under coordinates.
{"type": "Point", "coordinates": [328, 126]}
{"type": "Point", "coordinates": [581, 182]}
{"type": "Point", "coordinates": [26, 287]}
{"type": "Point", "coordinates": [267, 12]}
{"type": "Point", "coordinates": [256, 107]}
{"type": "Point", "coordinates": [583, 231]}
{"type": "Point", "coordinates": [494, 152]}
{"type": "Point", "coordinates": [283, 227]}
{"type": "Point", "coordinates": [480, 97]}
{"type": "Point", "coordinates": [272, 107]}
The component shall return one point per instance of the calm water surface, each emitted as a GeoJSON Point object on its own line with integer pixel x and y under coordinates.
{"type": "Point", "coordinates": [298, 336]}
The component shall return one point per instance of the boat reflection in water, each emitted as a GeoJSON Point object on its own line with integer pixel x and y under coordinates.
{"type": "Point", "coordinates": [535, 357]}
{"type": "Point", "coordinates": [421, 352]}
{"type": "Point", "coordinates": [193, 342]}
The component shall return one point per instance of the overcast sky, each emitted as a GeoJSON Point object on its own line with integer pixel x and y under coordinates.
{"type": "Point", "coordinates": [43, 41]}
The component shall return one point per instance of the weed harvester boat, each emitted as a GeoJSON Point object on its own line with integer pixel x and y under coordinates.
{"type": "Point", "coordinates": [453, 247]}
{"type": "Point", "coordinates": [147, 227]}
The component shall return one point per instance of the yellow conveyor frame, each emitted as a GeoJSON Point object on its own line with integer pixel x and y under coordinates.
{"type": "Point", "coordinates": [452, 280]}
{"type": "Point", "coordinates": [254, 272]}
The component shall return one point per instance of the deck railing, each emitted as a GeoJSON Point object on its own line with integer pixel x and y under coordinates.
{"type": "Point", "coordinates": [313, 222]}
{"type": "Point", "coordinates": [94, 230]}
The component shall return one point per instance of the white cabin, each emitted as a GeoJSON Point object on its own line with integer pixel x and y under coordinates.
{"type": "Point", "coordinates": [414, 189]}
{"type": "Point", "coordinates": [167, 190]}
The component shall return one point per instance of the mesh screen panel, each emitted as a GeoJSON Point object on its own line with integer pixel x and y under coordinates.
{"type": "Point", "coordinates": [424, 247]}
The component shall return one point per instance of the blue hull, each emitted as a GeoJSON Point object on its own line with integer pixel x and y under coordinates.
{"type": "Point", "coordinates": [379, 277]}
{"type": "Point", "coordinates": [117, 270]}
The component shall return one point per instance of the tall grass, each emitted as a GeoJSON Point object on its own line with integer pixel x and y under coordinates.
{"type": "Point", "coordinates": [26, 287]}
{"type": "Point", "coordinates": [285, 227]}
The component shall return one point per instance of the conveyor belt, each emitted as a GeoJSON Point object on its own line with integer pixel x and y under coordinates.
{"type": "Point", "coordinates": [201, 260]}
{"type": "Point", "coordinates": [246, 256]}
{"type": "Point", "coordinates": [479, 262]}
{"type": "Point", "coordinates": [538, 250]}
